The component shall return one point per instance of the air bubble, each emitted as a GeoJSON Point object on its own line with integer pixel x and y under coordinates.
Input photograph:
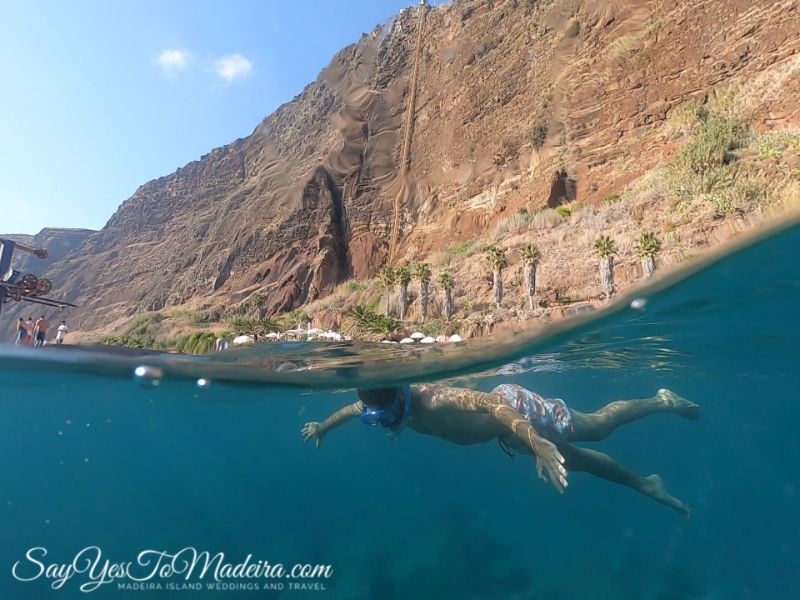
{"type": "Point", "coordinates": [639, 303]}
{"type": "Point", "coordinates": [147, 375]}
{"type": "Point", "coordinates": [203, 382]}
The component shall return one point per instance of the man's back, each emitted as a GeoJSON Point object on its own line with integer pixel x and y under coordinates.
{"type": "Point", "coordinates": [445, 412]}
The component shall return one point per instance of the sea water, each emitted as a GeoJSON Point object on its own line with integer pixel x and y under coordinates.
{"type": "Point", "coordinates": [106, 475]}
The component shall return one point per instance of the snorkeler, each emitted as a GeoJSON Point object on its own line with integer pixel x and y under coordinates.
{"type": "Point", "coordinates": [520, 420]}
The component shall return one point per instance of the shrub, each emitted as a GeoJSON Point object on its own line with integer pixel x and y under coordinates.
{"type": "Point", "coordinates": [454, 253]}
{"type": "Point", "coordinates": [774, 143]}
{"type": "Point", "coordinates": [723, 204]}
{"type": "Point", "coordinates": [356, 285]}
{"type": "Point", "coordinates": [713, 146]}
{"type": "Point", "coordinates": [539, 134]}
{"type": "Point", "coordinates": [199, 343]}
{"type": "Point", "coordinates": [468, 304]}
{"type": "Point", "coordinates": [198, 319]}
{"type": "Point", "coordinates": [141, 325]}
{"type": "Point", "coordinates": [563, 211]}
{"type": "Point", "coordinates": [524, 221]}
{"type": "Point", "coordinates": [127, 341]}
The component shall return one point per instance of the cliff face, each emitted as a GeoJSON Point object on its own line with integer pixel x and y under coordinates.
{"type": "Point", "coordinates": [491, 107]}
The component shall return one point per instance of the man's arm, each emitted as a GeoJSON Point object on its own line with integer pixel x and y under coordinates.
{"type": "Point", "coordinates": [316, 430]}
{"type": "Point", "coordinates": [547, 455]}
{"type": "Point", "coordinates": [40, 252]}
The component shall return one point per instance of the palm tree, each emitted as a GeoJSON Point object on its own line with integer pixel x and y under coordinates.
{"type": "Point", "coordinates": [530, 258]}
{"type": "Point", "coordinates": [386, 277]}
{"type": "Point", "coordinates": [447, 283]}
{"type": "Point", "coordinates": [497, 261]}
{"type": "Point", "coordinates": [264, 326]}
{"type": "Point", "coordinates": [256, 300]}
{"type": "Point", "coordinates": [605, 248]}
{"type": "Point", "coordinates": [383, 325]}
{"type": "Point", "coordinates": [422, 271]}
{"type": "Point", "coordinates": [359, 319]}
{"type": "Point", "coordinates": [403, 277]}
{"type": "Point", "coordinates": [647, 246]}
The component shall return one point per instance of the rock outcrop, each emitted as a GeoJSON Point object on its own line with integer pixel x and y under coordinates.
{"type": "Point", "coordinates": [506, 94]}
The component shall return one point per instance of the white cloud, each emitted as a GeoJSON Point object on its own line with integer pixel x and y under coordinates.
{"type": "Point", "coordinates": [233, 67]}
{"type": "Point", "coordinates": [173, 61]}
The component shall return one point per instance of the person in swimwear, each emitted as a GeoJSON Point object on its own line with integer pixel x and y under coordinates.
{"type": "Point", "coordinates": [520, 420]}
{"type": "Point", "coordinates": [40, 332]}
{"type": "Point", "coordinates": [29, 325]}
{"type": "Point", "coordinates": [22, 332]}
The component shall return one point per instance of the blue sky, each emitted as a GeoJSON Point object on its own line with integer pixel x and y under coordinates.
{"type": "Point", "coordinates": [100, 97]}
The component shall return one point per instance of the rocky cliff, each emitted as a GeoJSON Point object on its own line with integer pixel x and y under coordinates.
{"type": "Point", "coordinates": [429, 130]}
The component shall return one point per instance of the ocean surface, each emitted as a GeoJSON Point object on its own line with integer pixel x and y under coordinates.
{"type": "Point", "coordinates": [99, 463]}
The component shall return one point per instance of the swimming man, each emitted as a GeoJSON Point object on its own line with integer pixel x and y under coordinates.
{"type": "Point", "coordinates": [520, 420]}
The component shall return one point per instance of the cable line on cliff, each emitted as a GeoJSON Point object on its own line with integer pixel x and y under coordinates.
{"type": "Point", "coordinates": [408, 127]}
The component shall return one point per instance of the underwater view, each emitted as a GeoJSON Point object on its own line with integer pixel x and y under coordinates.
{"type": "Point", "coordinates": [184, 455]}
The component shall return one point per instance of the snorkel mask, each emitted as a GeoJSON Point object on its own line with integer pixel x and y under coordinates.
{"type": "Point", "coordinates": [393, 416]}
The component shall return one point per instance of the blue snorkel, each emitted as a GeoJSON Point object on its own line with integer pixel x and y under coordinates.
{"type": "Point", "coordinates": [394, 417]}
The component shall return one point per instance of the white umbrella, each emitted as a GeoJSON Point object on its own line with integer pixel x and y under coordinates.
{"type": "Point", "coordinates": [273, 335]}
{"type": "Point", "coordinates": [417, 335]}
{"type": "Point", "coordinates": [406, 341]}
{"type": "Point", "coordinates": [455, 338]}
{"type": "Point", "coordinates": [315, 331]}
{"type": "Point", "coordinates": [243, 339]}
{"type": "Point", "coordinates": [427, 340]}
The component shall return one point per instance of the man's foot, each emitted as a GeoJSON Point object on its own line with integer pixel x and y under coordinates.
{"type": "Point", "coordinates": [679, 405]}
{"type": "Point", "coordinates": [655, 489]}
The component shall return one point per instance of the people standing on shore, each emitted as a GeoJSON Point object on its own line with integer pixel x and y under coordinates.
{"type": "Point", "coordinates": [61, 332]}
{"type": "Point", "coordinates": [22, 332]}
{"type": "Point", "coordinates": [40, 331]}
{"type": "Point", "coordinates": [29, 325]}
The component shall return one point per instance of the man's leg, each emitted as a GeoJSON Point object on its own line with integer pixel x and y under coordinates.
{"type": "Point", "coordinates": [592, 427]}
{"type": "Point", "coordinates": [605, 467]}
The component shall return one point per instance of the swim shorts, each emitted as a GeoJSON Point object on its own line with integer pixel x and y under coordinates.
{"type": "Point", "coordinates": [550, 417]}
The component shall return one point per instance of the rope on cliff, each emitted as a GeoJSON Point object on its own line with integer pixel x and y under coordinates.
{"type": "Point", "coordinates": [408, 130]}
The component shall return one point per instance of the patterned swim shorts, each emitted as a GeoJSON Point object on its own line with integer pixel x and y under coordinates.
{"type": "Point", "coordinates": [550, 417]}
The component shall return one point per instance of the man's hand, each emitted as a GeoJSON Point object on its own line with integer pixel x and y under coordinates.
{"type": "Point", "coordinates": [40, 252]}
{"type": "Point", "coordinates": [549, 459]}
{"type": "Point", "coordinates": [312, 431]}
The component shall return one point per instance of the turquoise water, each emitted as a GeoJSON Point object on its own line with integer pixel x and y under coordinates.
{"type": "Point", "coordinates": [92, 457]}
